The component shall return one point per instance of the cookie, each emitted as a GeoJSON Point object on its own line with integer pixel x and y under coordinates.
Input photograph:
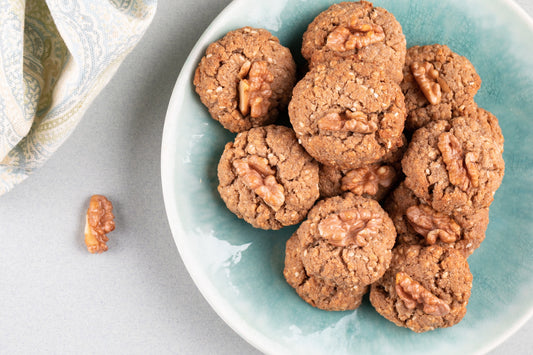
{"type": "Point", "coordinates": [425, 288]}
{"type": "Point", "coordinates": [438, 84]}
{"type": "Point", "coordinates": [349, 115]}
{"type": "Point", "coordinates": [267, 178]}
{"type": "Point", "coordinates": [245, 79]}
{"type": "Point", "coordinates": [417, 223]}
{"type": "Point", "coordinates": [454, 166]}
{"type": "Point", "coordinates": [356, 31]}
{"type": "Point", "coordinates": [314, 291]}
{"type": "Point", "coordinates": [346, 241]}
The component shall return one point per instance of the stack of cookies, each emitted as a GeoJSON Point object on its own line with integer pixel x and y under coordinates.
{"type": "Point", "coordinates": [453, 166]}
{"type": "Point", "coordinates": [265, 176]}
{"type": "Point", "coordinates": [388, 163]}
{"type": "Point", "coordinates": [348, 113]}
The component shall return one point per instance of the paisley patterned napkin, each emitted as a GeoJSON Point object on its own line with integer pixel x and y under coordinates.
{"type": "Point", "coordinates": [55, 57]}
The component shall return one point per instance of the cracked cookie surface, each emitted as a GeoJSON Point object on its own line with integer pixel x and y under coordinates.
{"type": "Point", "coordinates": [267, 178]}
{"type": "Point", "coordinates": [457, 82]}
{"type": "Point", "coordinates": [314, 291]}
{"type": "Point", "coordinates": [228, 64]}
{"type": "Point", "coordinates": [438, 276]}
{"type": "Point", "coordinates": [454, 165]}
{"type": "Point", "coordinates": [356, 31]}
{"type": "Point", "coordinates": [346, 241]}
{"type": "Point", "coordinates": [348, 115]}
{"type": "Point", "coordinates": [489, 123]}
{"type": "Point", "coordinates": [416, 223]}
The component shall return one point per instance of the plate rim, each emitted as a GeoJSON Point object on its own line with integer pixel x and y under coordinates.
{"type": "Point", "coordinates": [227, 314]}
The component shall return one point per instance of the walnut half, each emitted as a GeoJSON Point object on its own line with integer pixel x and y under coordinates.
{"type": "Point", "coordinates": [462, 168]}
{"type": "Point", "coordinates": [259, 177]}
{"type": "Point", "coordinates": [413, 293]}
{"type": "Point", "coordinates": [351, 227]}
{"type": "Point", "coordinates": [368, 179]}
{"type": "Point", "coordinates": [98, 222]}
{"type": "Point", "coordinates": [254, 88]}
{"type": "Point", "coordinates": [427, 78]}
{"type": "Point", "coordinates": [355, 35]}
{"type": "Point", "coordinates": [432, 225]}
{"type": "Point", "coordinates": [347, 121]}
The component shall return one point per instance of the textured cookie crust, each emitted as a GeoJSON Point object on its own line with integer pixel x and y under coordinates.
{"type": "Point", "coordinates": [489, 122]}
{"type": "Point", "coordinates": [471, 227]}
{"type": "Point", "coordinates": [442, 271]}
{"type": "Point", "coordinates": [293, 169]}
{"type": "Point", "coordinates": [388, 53]}
{"type": "Point", "coordinates": [433, 176]}
{"type": "Point", "coordinates": [217, 76]}
{"type": "Point", "coordinates": [348, 89]}
{"type": "Point", "coordinates": [458, 83]}
{"type": "Point", "coordinates": [351, 265]}
{"type": "Point", "coordinates": [314, 291]}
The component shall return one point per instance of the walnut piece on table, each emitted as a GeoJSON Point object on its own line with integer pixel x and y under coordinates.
{"type": "Point", "coordinates": [98, 222]}
{"type": "Point", "coordinates": [354, 36]}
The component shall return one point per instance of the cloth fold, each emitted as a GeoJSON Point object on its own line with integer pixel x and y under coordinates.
{"type": "Point", "coordinates": [55, 58]}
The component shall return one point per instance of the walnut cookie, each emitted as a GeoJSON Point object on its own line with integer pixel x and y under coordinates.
{"type": "Point", "coordinates": [313, 290]}
{"type": "Point", "coordinates": [454, 166]}
{"type": "Point", "coordinates": [424, 288]}
{"type": "Point", "coordinates": [418, 223]}
{"type": "Point", "coordinates": [357, 31]}
{"type": "Point", "coordinates": [267, 178]}
{"type": "Point", "coordinates": [438, 84]}
{"type": "Point", "coordinates": [346, 241]}
{"type": "Point", "coordinates": [245, 79]}
{"type": "Point", "coordinates": [349, 115]}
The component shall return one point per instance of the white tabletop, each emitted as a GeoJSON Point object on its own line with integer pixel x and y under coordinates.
{"type": "Point", "coordinates": [55, 297]}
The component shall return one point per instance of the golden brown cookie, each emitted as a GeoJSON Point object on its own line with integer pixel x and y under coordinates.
{"type": "Point", "coordinates": [417, 223]}
{"type": "Point", "coordinates": [349, 115]}
{"type": "Point", "coordinates": [454, 165]}
{"type": "Point", "coordinates": [245, 79]}
{"type": "Point", "coordinates": [267, 178]}
{"type": "Point", "coordinates": [425, 288]}
{"type": "Point", "coordinates": [438, 84]}
{"type": "Point", "coordinates": [346, 241]}
{"type": "Point", "coordinates": [356, 31]}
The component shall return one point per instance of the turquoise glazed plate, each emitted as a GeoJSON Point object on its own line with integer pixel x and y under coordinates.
{"type": "Point", "coordinates": [239, 269]}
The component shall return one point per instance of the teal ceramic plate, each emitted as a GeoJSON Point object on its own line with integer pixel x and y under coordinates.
{"type": "Point", "coordinates": [239, 269]}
